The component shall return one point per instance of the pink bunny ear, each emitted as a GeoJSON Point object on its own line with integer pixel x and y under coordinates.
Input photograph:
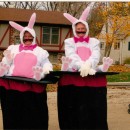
{"type": "Point", "coordinates": [32, 20]}
{"type": "Point", "coordinates": [16, 26]}
{"type": "Point", "coordinates": [70, 18]}
{"type": "Point", "coordinates": [85, 14]}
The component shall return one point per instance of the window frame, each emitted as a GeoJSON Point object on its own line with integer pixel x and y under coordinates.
{"type": "Point", "coordinates": [102, 45]}
{"type": "Point", "coordinates": [117, 46]}
{"type": "Point", "coordinates": [128, 46]}
{"type": "Point", "coordinates": [50, 35]}
{"type": "Point", "coordinates": [17, 38]}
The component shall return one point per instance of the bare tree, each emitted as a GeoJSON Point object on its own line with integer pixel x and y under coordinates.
{"type": "Point", "coordinates": [96, 20]}
{"type": "Point", "coordinates": [25, 5]}
{"type": "Point", "coordinates": [73, 8]}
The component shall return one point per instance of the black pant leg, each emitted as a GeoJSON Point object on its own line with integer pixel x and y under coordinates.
{"type": "Point", "coordinates": [82, 108]}
{"type": "Point", "coordinates": [24, 110]}
{"type": "Point", "coordinates": [67, 107]}
{"type": "Point", "coordinates": [94, 113]}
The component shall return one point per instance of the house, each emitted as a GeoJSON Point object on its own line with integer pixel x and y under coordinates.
{"type": "Point", "coordinates": [120, 50]}
{"type": "Point", "coordinates": [51, 27]}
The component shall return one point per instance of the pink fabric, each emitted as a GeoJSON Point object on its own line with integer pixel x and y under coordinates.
{"type": "Point", "coordinates": [65, 66]}
{"type": "Point", "coordinates": [23, 47]}
{"type": "Point", "coordinates": [32, 21]}
{"type": "Point", "coordinates": [84, 53]}
{"type": "Point", "coordinates": [70, 18]}
{"type": "Point", "coordinates": [85, 14]}
{"type": "Point", "coordinates": [92, 81]}
{"type": "Point", "coordinates": [105, 67]}
{"type": "Point", "coordinates": [81, 39]}
{"type": "Point", "coordinates": [21, 60]}
{"type": "Point", "coordinates": [21, 86]}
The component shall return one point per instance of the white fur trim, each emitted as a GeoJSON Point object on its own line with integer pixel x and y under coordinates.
{"type": "Point", "coordinates": [80, 21]}
{"type": "Point", "coordinates": [30, 31]}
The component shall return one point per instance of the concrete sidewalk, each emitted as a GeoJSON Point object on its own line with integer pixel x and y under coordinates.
{"type": "Point", "coordinates": [118, 100]}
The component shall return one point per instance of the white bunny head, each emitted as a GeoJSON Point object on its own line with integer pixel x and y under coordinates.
{"type": "Point", "coordinates": [82, 19]}
{"type": "Point", "coordinates": [28, 28]}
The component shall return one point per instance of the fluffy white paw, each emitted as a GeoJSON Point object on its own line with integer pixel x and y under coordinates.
{"type": "Point", "coordinates": [3, 69]}
{"type": "Point", "coordinates": [107, 61]}
{"type": "Point", "coordinates": [92, 72]}
{"type": "Point", "coordinates": [37, 73]}
{"type": "Point", "coordinates": [47, 69]}
{"type": "Point", "coordinates": [65, 63]}
{"type": "Point", "coordinates": [8, 55]}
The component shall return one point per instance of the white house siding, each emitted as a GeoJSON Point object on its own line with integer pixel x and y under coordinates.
{"type": "Point", "coordinates": [114, 54]}
{"type": "Point", "coordinates": [125, 51]}
{"type": "Point", "coordinates": [119, 55]}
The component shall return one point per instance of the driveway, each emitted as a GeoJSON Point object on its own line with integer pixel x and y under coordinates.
{"type": "Point", "coordinates": [118, 117]}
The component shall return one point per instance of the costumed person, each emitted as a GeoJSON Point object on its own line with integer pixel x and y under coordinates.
{"type": "Point", "coordinates": [82, 99]}
{"type": "Point", "coordinates": [24, 104]}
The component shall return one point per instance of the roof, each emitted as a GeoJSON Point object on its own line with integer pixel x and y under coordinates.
{"type": "Point", "coordinates": [23, 15]}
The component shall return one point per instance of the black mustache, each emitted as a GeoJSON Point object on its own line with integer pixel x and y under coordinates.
{"type": "Point", "coordinates": [78, 32]}
{"type": "Point", "coordinates": [25, 40]}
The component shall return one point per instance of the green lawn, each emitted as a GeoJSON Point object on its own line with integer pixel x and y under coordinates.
{"type": "Point", "coordinates": [121, 77]}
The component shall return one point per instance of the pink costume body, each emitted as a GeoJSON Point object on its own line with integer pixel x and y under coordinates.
{"type": "Point", "coordinates": [25, 60]}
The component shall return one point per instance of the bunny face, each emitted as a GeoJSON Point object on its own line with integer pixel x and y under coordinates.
{"type": "Point", "coordinates": [82, 19]}
{"type": "Point", "coordinates": [30, 31]}
{"type": "Point", "coordinates": [83, 22]}
{"type": "Point", "coordinates": [27, 38]}
{"type": "Point", "coordinates": [28, 28]}
{"type": "Point", "coordinates": [80, 29]}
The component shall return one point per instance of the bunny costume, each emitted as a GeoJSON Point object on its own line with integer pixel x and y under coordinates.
{"type": "Point", "coordinates": [82, 98]}
{"type": "Point", "coordinates": [82, 50]}
{"type": "Point", "coordinates": [25, 60]}
{"type": "Point", "coordinates": [26, 101]}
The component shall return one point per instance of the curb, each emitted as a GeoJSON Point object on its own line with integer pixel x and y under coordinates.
{"type": "Point", "coordinates": [119, 84]}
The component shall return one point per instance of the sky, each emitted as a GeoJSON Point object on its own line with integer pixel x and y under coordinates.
{"type": "Point", "coordinates": [71, 0]}
{"type": "Point", "coordinates": [1, 2]}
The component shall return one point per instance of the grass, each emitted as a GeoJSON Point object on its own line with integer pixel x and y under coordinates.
{"type": "Point", "coordinates": [121, 77]}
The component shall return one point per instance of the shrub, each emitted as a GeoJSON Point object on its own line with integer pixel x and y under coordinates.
{"type": "Point", "coordinates": [56, 67]}
{"type": "Point", "coordinates": [117, 62]}
{"type": "Point", "coordinates": [127, 60]}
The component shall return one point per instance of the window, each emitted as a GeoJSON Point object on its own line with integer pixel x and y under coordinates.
{"type": "Point", "coordinates": [116, 46]}
{"type": "Point", "coordinates": [128, 46]}
{"type": "Point", "coordinates": [50, 35]}
{"type": "Point", "coordinates": [17, 40]}
{"type": "Point", "coordinates": [102, 45]}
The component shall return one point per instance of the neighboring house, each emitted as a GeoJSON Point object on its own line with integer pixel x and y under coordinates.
{"type": "Point", "coordinates": [120, 49]}
{"type": "Point", "coordinates": [51, 27]}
